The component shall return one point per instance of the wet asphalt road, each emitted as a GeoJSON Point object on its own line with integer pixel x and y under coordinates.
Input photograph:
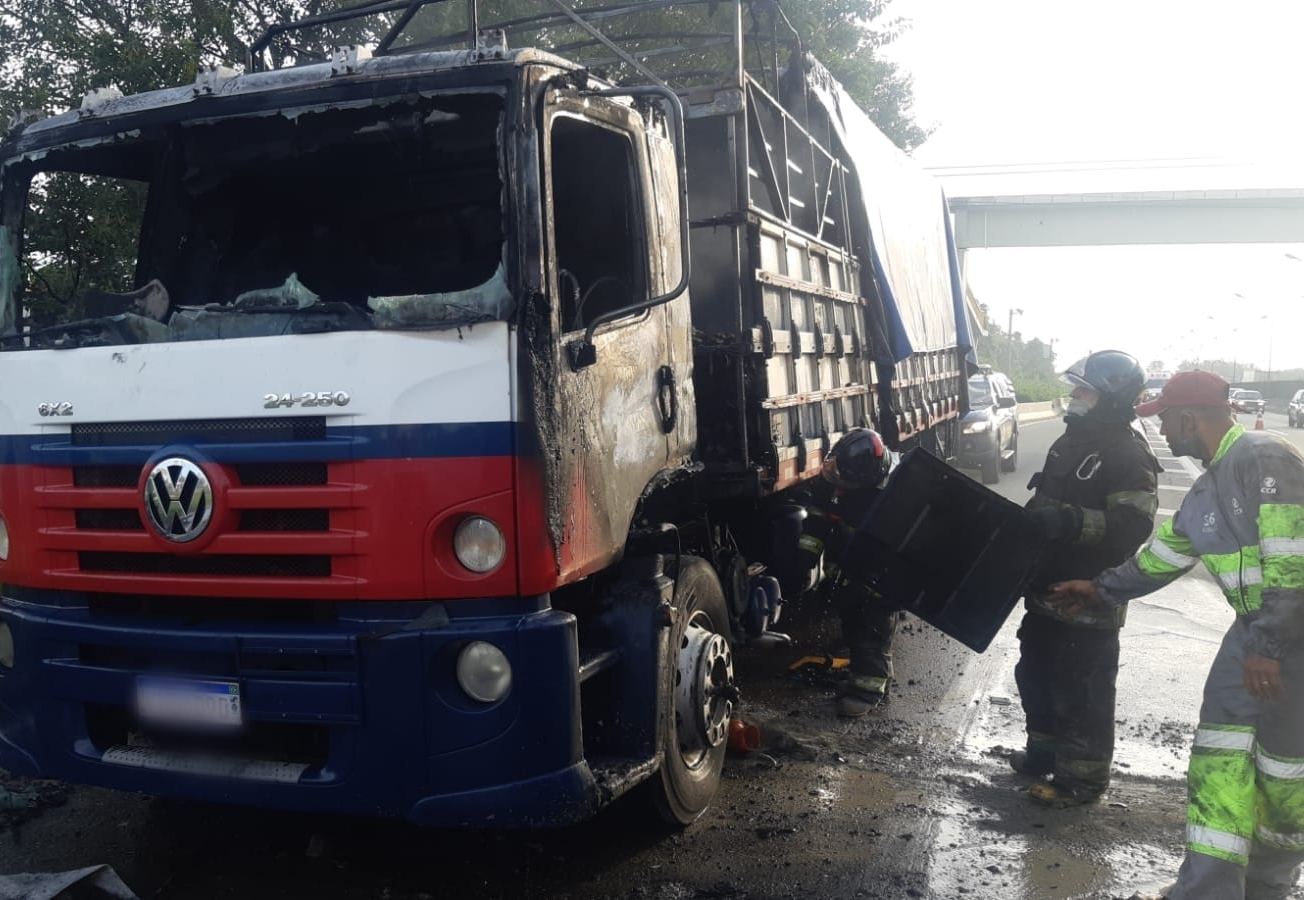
{"type": "Point", "coordinates": [914, 801]}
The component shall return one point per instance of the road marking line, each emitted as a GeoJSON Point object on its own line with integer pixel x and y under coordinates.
{"type": "Point", "coordinates": [1192, 469]}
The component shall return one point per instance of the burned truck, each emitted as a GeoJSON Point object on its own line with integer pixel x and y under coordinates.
{"type": "Point", "coordinates": [411, 429]}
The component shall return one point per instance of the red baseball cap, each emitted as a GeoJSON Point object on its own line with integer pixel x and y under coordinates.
{"type": "Point", "coordinates": [1187, 389]}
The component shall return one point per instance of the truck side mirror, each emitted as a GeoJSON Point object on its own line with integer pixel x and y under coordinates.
{"type": "Point", "coordinates": [1007, 402]}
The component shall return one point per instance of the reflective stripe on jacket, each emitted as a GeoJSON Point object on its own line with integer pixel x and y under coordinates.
{"type": "Point", "coordinates": [1244, 519]}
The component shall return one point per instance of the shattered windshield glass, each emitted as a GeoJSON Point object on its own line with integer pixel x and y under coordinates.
{"type": "Point", "coordinates": [383, 216]}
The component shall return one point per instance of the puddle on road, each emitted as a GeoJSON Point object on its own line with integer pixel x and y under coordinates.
{"type": "Point", "coordinates": [1167, 647]}
{"type": "Point", "coordinates": [989, 842]}
{"type": "Point", "coordinates": [982, 853]}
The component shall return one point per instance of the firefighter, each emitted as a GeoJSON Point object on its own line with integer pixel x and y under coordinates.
{"type": "Point", "coordinates": [854, 472]}
{"type": "Point", "coordinates": [1244, 519]}
{"type": "Point", "coordinates": [1094, 505]}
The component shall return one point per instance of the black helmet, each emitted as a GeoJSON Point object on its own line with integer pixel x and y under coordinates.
{"type": "Point", "coordinates": [858, 460]}
{"type": "Point", "coordinates": [1114, 375]}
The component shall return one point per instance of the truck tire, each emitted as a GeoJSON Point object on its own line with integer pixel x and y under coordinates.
{"type": "Point", "coordinates": [700, 697]}
{"type": "Point", "coordinates": [1012, 462]}
{"type": "Point", "coordinates": [991, 467]}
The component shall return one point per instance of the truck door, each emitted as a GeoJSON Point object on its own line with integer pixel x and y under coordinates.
{"type": "Point", "coordinates": [615, 414]}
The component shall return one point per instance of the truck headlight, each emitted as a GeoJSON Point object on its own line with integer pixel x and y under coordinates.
{"type": "Point", "coordinates": [484, 672]}
{"type": "Point", "coordinates": [4, 538]}
{"type": "Point", "coordinates": [6, 646]}
{"type": "Point", "coordinates": [479, 544]}
{"type": "Point", "coordinates": [976, 427]}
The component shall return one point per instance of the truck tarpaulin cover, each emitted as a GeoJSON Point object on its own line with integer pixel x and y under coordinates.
{"type": "Point", "coordinates": [912, 255]}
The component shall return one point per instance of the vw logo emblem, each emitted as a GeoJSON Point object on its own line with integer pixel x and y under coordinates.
{"type": "Point", "coordinates": [178, 499]}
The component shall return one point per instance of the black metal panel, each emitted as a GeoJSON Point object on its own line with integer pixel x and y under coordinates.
{"type": "Point", "coordinates": [945, 548]}
{"type": "Point", "coordinates": [281, 474]}
{"type": "Point", "coordinates": [272, 566]}
{"type": "Point", "coordinates": [225, 431]}
{"type": "Point", "coordinates": [105, 476]}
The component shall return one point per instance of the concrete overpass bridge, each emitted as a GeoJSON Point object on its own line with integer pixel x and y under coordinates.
{"type": "Point", "coordinates": [1150, 202]}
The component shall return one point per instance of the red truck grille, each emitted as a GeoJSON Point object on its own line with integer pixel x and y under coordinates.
{"type": "Point", "coordinates": [278, 523]}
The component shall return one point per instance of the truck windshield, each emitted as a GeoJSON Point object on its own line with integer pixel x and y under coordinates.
{"type": "Point", "coordinates": [382, 216]}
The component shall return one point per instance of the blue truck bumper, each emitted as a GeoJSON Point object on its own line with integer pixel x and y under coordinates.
{"type": "Point", "coordinates": [358, 714]}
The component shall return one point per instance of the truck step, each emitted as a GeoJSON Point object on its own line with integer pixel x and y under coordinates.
{"type": "Point", "coordinates": [617, 775]}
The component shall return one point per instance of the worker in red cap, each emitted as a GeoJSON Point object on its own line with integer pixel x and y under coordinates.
{"type": "Point", "coordinates": [1244, 519]}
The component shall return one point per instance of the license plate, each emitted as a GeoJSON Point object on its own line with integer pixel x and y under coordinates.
{"type": "Point", "coordinates": [179, 701]}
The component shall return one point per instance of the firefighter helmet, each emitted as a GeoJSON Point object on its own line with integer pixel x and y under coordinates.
{"type": "Point", "coordinates": [1115, 376]}
{"type": "Point", "coordinates": [858, 460]}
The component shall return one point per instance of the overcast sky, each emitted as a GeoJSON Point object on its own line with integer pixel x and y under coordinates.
{"type": "Point", "coordinates": [1191, 82]}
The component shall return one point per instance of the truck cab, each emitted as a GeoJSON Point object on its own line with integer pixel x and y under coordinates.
{"type": "Point", "coordinates": [373, 438]}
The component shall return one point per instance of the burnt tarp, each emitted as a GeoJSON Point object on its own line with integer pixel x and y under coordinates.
{"type": "Point", "coordinates": [912, 256]}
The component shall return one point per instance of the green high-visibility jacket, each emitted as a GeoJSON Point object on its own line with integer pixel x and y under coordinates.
{"type": "Point", "coordinates": [1244, 519]}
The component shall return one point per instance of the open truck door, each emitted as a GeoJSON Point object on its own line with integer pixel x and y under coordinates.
{"type": "Point", "coordinates": [943, 547]}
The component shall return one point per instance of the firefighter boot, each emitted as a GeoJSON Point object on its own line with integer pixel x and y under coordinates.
{"type": "Point", "coordinates": [1035, 763]}
{"type": "Point", "coordinates": [860, 695]}
{"type": "Point", "coordinates": [1062, 795]}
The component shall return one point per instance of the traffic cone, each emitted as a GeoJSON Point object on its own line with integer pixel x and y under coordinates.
{"type": "Point", "coordinates": [1258, 422]}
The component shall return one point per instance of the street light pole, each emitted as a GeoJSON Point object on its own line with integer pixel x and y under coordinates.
{"type": "Point", "coordinates": [1009, 336]}
{"type": "Point", "coordinates": [1235, 360]}
{"type": "Point", "coordinates": [1263, 318]}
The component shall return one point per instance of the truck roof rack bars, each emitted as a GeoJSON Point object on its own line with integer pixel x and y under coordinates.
{"type": "Point", "coordinates": [254, 59]}
{"type": "Point", "coordinates": [657, 50]}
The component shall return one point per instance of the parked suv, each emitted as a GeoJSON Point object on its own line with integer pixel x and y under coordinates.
{"type": "Point", "coordinates": [989, 438]}
{"type": "Point", "coordinates": [1247, 401]}
{"type": "Point", "coordinates": [1295, 410]}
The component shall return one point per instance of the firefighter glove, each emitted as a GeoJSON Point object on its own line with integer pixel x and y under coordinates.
{"type": "Point", "coordinates": [1060, 523]}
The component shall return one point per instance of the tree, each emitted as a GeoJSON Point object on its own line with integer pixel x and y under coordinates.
{"type": "Point", "coordinates": [1030, 364]}
{"type": "Point", "coordinates": [57, 50]}
{"type": "Point", "coordinates": [847, 35]}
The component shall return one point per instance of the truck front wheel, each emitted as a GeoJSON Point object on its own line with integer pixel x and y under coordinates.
{"type": "Point", "coordinates": [700, 697]}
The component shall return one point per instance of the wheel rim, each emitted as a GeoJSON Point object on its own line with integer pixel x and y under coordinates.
{"type": "Point", "coordinates": [704, 690]}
